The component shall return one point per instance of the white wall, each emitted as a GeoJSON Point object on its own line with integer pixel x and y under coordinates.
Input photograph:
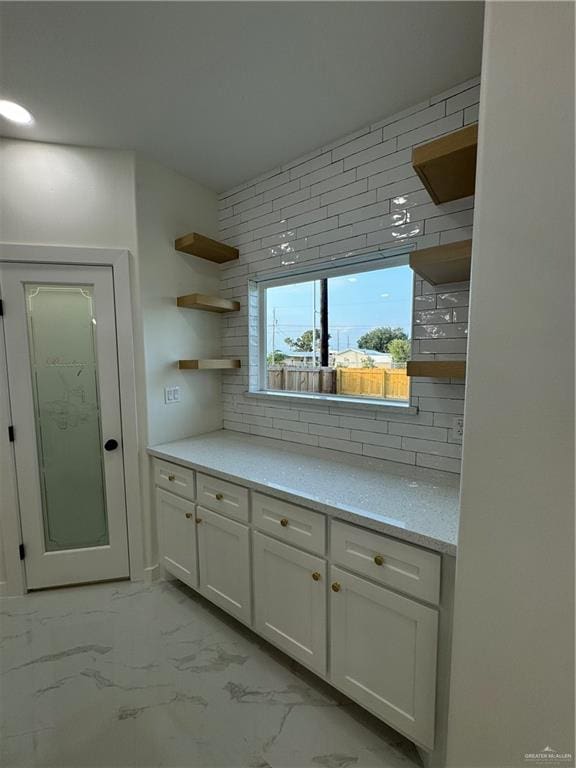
{"type": "Point", "coordinates": [358, 195]}
{"type": "Point", "coordinates": [513, 675]}
{"type": "Point", "coordinates": [169, 205]}
{"type": "Point", "coordinates": [62, 195]}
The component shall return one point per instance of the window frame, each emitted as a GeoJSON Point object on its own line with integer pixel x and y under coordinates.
{"type": "Point", "coordinates": [301, 273]}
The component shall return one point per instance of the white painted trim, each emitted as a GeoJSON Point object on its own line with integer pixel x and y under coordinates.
{"type": "Point", "coordinates": [119, 260]}
{"type": "Point", "coordinates": [388, 406]}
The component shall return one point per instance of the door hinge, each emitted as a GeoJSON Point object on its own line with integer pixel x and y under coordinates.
{"type": "Point", "coordinates": [21, 551]}
{"type": "Point", "coordinates": [11, 433]}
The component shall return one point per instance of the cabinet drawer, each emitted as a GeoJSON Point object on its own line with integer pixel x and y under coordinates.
{"type": "Point", "coordinates": [401, 566]}
{"type": "Point", "coordinates": [290, 523]}
{"type": "Point", "coordinates": [221, 496]}
{"type": "Point", "coordinates": [174, 478]}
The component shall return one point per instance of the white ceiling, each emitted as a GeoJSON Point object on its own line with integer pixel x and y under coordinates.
{"type": "Point", "coordinates": [223, 91]}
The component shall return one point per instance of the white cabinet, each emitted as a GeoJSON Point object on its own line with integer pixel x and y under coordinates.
{"type": "Point", "coordinates": [177, 536]}
{"type": "Point", "coordinates": [384, 650]}
{"type": "Point", "coordinates": [224, 555]}
{"type": "Point", "coordinates": [290, 600]}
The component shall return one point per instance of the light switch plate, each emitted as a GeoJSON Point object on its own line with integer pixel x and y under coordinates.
{"type": "Point", "coordinates": [171, 395]}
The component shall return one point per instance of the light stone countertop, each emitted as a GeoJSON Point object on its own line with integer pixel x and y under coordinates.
{"type": "Point", "coordinates": [419, 506]}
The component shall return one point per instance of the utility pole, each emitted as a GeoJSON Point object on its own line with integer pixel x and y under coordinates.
{"type": "Point", "coordinates": [324, 322]}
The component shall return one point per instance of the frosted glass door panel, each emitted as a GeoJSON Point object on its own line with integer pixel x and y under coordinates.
{"type": "Point", "coordinates": [61, 328]}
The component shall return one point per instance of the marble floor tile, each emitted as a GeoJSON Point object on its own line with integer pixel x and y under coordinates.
{"type": "Point", "coordinates": [124, 675]}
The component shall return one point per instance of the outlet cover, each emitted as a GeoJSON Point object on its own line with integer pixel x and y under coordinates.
{"type": "Point", "coordinates": [459, 426]}
{"type": "Point", "coordinates": [171, 395]}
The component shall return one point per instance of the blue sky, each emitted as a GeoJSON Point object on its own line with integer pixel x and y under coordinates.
{"type": "Point", "coordinates": [356, 304]}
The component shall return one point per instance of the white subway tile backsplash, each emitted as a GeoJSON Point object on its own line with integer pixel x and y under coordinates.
{"type": "Point", "coordinates": [358, 193]}
{"type": "Point", "coordinates": [438, 462]}
{"type": "Point", "coordinates": [369, 156]}
{"type": "Point", "coordinates": [376, 438]}
{"type": "Point", "coordinates": [357, 145]}
{"type": "Point", "coordinates": [343, 192]}
{"type": "Point", "coordinates": [450, 221]}
{"type": "Point", "coordinates": [310, 165]}
{"type": "Point", "coordinates": [423, 117]}
{"type": "Point", "coordinates": [339, 445]}
{"type": "Point", "coordinates": [471, 114]}
{"type": "Point", "coordinates": [463, 100]}
{"type": "Point", "coordinates": [431, 131]}
{"type": "Point", "coordinates": [352, 203]}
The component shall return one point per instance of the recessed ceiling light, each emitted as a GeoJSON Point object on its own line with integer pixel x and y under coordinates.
{"type": "Point", "coordinates": [14, 112]}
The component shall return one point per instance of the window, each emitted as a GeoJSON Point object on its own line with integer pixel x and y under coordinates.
{"type": "Point", "coordinates": [339, 333]}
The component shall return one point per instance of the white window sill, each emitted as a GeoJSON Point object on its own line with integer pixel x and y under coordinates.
{"type": "Point", "coordinates": [389, 406]}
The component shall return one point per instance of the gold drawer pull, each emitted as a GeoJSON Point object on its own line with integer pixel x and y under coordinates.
{"type": "Point", "coordinates": [316, 576]}
{"type": "Point", "coordinates": [188, 515]}
{"type": "Point", "coordinates": [171, 478]}
{"type": "Point", "coordinates": [284, 522]}
{"type": "Point", "coordinates": [219, 496]}
{"type": "Point", "coordinates": [336, 587]}
{"type": "Point", "coordinates": [378, 560]}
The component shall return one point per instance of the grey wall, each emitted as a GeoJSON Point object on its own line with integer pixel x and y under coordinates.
{"type": "Point", "coordinates": [513, 673]}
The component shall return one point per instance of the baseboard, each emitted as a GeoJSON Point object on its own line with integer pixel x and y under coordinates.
{"type": "Point", "coordinates": [152, 573]}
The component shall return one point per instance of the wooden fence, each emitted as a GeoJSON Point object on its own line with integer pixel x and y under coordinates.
{"type": "Point", "coordinates": [302, 379]}
{"type": "Point", "coordinates": [383, 383]}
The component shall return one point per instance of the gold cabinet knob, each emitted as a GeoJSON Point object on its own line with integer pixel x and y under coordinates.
{"type": "Point", "coordinates": [219, 496]}
{"type": "Point", "coordinates": [336, 587]}
{"type": "Point", "coordinates": [171, 478]}
{"type": "Point", "coordinates": [378, 560]}
{"type": "Point", "coordinates": [284, 522]}
{"type": "Point", "coordinates": [198, 520]}
{"type": "Point", "coordinates": [316, 576]}
{"type": "Point", "coordinates": [188, 515]}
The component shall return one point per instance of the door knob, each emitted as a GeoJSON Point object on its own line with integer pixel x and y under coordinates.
{"type": "Point", "coordinates": [336, 587]}
{"type": "Point", "coordinates": [111, 445]}
{"type": "Point", "coordinates": [316, 576]}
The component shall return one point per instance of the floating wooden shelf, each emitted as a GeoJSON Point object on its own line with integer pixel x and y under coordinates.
{"type": "Point", "coordinates": [206, 248]}
{"type": "Point", "coordinates": [437, 369]}
{"type": "Point", "coordinates": [447, 166]}
{"type": "Point", "coordinates": [443, 263]}
{"type": "Point", "coordinates": [208, 303]}
{"type": "Point", "coordinates": [207, 365]}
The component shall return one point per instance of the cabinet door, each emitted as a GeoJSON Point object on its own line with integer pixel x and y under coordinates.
{"type": "Point", "coordinates": [223, 550]}
{"type": "Point", "coordinates": [384, 653]}
{"type": "Point", "coordinates": [177, 536]}
{"type": "Point", "coordinates": [290, 600]}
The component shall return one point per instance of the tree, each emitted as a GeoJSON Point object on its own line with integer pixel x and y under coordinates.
{"type": "Point", "coordinates": [303, 343]}
{"type": "Point", "coordinates": [399, 350]}
{"type": "Point", "coordinates": [276, 358]}
{"type": "Point", "coordinates": [380, 338]}
{"type": "Point", "coordinates": [367, 362]}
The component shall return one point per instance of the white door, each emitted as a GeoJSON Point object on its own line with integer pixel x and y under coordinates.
{"type": "Point", "coordinates": [290, 600]}
{"type": "Point", "coordinates": [177, 536]}
{"type": "Point", "coordinates": [224, 558]}
{"type": "Point", "coordinates": [62, 357]}
{"type": "Point", "coordinates": [384, 653]}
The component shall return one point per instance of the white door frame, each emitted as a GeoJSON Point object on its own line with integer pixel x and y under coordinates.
{"type": "Point", "coordinates": [10, 530]}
